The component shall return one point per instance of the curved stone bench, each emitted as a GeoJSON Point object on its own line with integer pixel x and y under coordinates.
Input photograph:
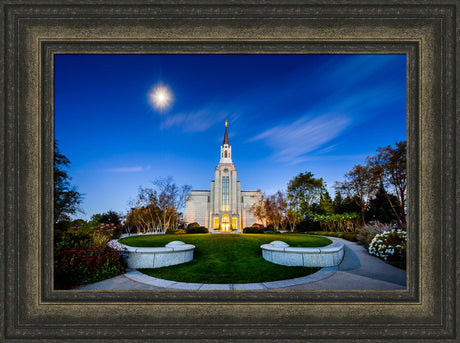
{"type": "Point", "coordinates": [175, 252]}
{"type": "Point", "coordinates": [281, 253]}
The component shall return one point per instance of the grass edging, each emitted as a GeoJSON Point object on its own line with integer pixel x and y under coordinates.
{"type": "Point", "coordinates": [232, 258]}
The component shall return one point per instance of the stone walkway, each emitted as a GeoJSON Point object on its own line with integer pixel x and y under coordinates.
{"type": "Point", "coordinates": [358, 271]}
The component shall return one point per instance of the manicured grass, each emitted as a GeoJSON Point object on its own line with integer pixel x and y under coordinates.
{"type": "Point", "coordinates": [227, 258]}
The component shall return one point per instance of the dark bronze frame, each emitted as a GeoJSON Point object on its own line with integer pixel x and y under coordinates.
{"type": "Point", "coordinates": [33, 31]}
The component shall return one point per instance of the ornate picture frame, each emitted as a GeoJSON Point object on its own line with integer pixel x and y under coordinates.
{"type": "Point", "coordinates": [33, 31]}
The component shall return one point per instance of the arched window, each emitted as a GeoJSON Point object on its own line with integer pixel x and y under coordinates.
{"type": "Point", "coordinates": [225, 153]}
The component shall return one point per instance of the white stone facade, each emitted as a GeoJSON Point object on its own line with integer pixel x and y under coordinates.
{"type": "Point", "coordinates": [224, 208]}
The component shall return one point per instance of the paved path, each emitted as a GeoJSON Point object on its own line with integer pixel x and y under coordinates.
{"type": "Point", "coordinates": [358, 271]}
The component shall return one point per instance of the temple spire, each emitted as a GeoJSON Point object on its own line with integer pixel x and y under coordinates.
{"type": "Point", "coordinates": [226, 134]}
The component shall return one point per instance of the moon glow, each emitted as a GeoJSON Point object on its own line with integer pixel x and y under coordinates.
{"type": "Point", "coordinates": [160, 97]}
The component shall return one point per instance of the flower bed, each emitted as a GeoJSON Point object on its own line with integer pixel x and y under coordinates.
{"type": "Point", "coordinates": [82, 255]}
{"type": "Point", "coordinates": [389, 245]}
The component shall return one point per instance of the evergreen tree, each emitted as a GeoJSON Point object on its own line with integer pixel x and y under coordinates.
{"type": "Point", "coordinates": [351, 204]}
{"type": "Point", "coordinates": [66, 197]}
{"type": "Point", "coordinates": [325, 204]}
{"type": "Point", "coordinates": [337, 204]}
{"type": "Point", "coordinates": [380, 208]}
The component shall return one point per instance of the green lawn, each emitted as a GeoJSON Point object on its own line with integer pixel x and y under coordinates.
{"type": "Point", "coordinates": [227, 258]}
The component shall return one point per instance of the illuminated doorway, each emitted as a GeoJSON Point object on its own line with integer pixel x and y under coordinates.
{"type": "Point", "coordinates": [225, 223]}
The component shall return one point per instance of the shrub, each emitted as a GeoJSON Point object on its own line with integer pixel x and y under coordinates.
{"type": "Point", "coordinates": [78, 266]}
{"type": "Point", "coordinates": [308, 224]}
{"type": "Point", "coordinates": [99, 240]}
{"type": "Point", "coordinates": [109, 221]}
{"type": "Point", "coordinates": [177, 231]}
{"type": "Point", "coordinates": [72, 238]}
{"type": "Point", "coordinates": [197, 229]}
{"type": "Point", "coordinates": [389, 245]}
{"type": "Point", "coordinates": [345, 222]}
{"type": "Point", "coordinates": [81, 255]}
{"type": "Point", "coordinates": [349, 236]}
{"type": "Point", "coordinates": [252, 229]}
{"type": "Point", "coordinates": [271, 232]}
{"type": "Point", "coordinates": [367, 232]}
{"type": "Point", "coordinates": [192, 225]}
{"type": "Point", "coordinates": [109, 230]}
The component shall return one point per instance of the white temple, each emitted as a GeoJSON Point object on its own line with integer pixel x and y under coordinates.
{"type": "Point", "coordinates": [224, 208]}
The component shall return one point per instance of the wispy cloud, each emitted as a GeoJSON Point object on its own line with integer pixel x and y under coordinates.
{"type": "Point", "coordinates": [291, 142]}
{"type": "Point", "coordinates": [198, 121]}
{"type": "Point", "coordinates": [327, 149]}
{"type": "Point", "coordinates": [134, 169]}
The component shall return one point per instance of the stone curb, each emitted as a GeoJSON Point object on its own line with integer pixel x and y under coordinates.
{"type": "Point", "coordinates": [137, 276]}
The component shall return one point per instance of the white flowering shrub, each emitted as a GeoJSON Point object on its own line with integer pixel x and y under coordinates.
{"type": "Point", "coordinates": [389, 245]}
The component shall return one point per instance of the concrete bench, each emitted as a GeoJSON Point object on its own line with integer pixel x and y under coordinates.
{"type": "Point", "coordinates": [279, 252]}
{"type": "Point", "coordinates": [175, 252]}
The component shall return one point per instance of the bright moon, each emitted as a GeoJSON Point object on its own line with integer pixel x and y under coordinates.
{"type": "Point", "coordinates": [160, 97]}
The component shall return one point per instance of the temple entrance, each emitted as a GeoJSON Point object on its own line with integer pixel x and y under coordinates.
{"type": "Point", "coordinates": [225, 223]}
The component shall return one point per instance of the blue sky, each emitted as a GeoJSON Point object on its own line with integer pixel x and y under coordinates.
{"type": "Point", "coordinates": [286, 114]}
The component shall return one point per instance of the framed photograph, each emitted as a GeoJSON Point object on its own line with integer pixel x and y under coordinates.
{"type": "Point", "coordinates": [38, 37]}
{"type": "Point", "coordinates": [274, 124]}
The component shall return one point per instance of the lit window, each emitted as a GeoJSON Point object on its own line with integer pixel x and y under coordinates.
{"type": "Point", "coordinates": [225, 193]}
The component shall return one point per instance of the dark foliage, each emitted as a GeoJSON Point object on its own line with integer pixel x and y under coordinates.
{"type": "Point", "coordinates": [308, 224]}
{"type": "Point", "coordinates": [112, 218]}
{"type": "Point", "coordinates": [192, 225]}
{"type": "Point", "coordinates": [66, 197]}
{"type": "Point", "coordinates": [352, 205]}
{"type": "Point", "coordinates": [77, 266]}
{"type": "Point", "coordinates": [380, 208]}
{"type": "Point", "coordinates": [78, 259]}
{"type": "Point", "coordinates": [197, 229]}
{"type": "Point", "coordinates": [253, 229]}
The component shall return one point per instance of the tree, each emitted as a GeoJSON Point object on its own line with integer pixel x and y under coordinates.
{"type": "Point", "coordinates": [293, 218]}
{"type": "Point", "coordinates": [337, 204]}
{"type": "Point", "coordinates": [352, 204]}
{"type": "Point", "coordinates": [258, 209]}
{"type": "Point", "coordinates": [360, 185]}
{"type": "Point", "coordinates": [66, 197]}
{"type": "Point", "coordinates": [325, 204]}
{"type": "Point", "coordinates": [158, 209]}
{"type": "Point", "coordinates": [111, 217]}
{"type": "Point", "coordinates": [304, 190]}
{"type": "Point", "coordinates": [389, 167]}
{"type": "Point", "coordinates": [276, 210]}
{"type": "Point", "coordinates": [273, 212]}
{"type": "Point", "coordinates": [381, 209]}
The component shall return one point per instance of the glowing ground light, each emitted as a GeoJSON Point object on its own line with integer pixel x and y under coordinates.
{"type": "Point", "coordinates": [160, 97]}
